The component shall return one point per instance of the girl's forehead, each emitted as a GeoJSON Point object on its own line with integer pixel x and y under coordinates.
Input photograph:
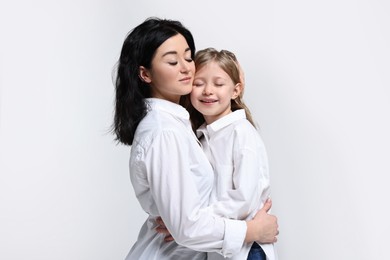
{"type": "Point", "coordinates": [210, 66]}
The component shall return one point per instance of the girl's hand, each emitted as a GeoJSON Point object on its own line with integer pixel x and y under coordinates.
{"type": "Point", "coordinates": [162, 229]}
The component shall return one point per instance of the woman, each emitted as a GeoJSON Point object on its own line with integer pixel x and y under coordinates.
{"type": "Point", "coordinates": [170, 174]}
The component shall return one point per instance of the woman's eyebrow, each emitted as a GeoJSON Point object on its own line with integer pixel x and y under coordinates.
{"type": "Point", "coordinates": [174, 52]}
{"type": "Point", "coordinates": [169, 53]}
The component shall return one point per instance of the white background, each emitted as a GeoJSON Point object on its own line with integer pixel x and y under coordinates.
{"type": "Point", "coordinates": [318, 84]}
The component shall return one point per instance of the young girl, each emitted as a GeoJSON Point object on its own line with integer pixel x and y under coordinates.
{"type": "Point", "coordinates": [231, 142]}
{"type": "Point", "coordinates": [170, 174]}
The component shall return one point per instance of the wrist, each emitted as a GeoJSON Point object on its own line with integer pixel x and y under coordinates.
{"type": "Point", "coordinates": [250, 232]}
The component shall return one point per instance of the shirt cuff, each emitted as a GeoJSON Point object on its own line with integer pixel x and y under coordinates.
{"type": "Point", "coordinates": [235, 232]}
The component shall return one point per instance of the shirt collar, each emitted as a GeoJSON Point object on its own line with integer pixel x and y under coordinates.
{"type": "Point", "coordinates": [167, 106]}
{"type": "Point", "coordinates": [221, 123]}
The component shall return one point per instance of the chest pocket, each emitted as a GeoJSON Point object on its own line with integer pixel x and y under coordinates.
{"type": "Point", "coordinates": [224, 179]}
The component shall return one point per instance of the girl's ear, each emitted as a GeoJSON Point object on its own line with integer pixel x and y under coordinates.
{"type": "Point", "coordinates": [144, 74]}
{"type": "Point", "coordinates": [237, 90]}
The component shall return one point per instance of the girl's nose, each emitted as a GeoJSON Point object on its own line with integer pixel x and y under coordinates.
{"type": "Point", "coordinates": [207, 90]}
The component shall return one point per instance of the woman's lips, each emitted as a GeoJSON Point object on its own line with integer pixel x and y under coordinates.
{"type": "Point", "coordinates": [186, 79]}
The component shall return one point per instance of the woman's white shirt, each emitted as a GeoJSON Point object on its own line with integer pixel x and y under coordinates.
{"type": "Point", "coordinates": [241, 177]}
{"type": "Point", "coordinates": [172, 178]}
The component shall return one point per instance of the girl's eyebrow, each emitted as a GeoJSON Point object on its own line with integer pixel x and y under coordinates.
{"type": "Point", "coordinates": [174, 52]}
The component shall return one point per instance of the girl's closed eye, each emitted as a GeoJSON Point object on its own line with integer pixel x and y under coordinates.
{"type": "Point", "coordinates": [198, 83]}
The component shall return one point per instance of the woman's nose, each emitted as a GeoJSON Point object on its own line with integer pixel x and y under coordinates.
{"type": "Point", "coordinates": [184, 67]}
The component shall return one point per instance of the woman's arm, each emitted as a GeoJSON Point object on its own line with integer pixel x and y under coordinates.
{"type": "Point", "coordinates": [171, 177]}
{"type": "Point", "coordinates": [250, 165]}
{"type": "Point", "coordinates": [263, 228]}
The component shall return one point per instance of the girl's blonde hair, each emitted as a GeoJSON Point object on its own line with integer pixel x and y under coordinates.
{"type": "Point", "coordinates": [228, 62]}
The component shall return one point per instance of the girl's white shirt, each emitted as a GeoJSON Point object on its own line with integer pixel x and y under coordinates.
{"type": "Point", "coordinates": [237, 153]}
{"type": "Point", "coordinates": [172, 178]}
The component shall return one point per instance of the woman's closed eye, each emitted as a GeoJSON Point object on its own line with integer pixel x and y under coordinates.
{"type": "Point", "coordinates": [174, 63]}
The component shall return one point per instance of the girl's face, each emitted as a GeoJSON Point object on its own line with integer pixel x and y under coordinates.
{"type": "Point", "coordinates": [212, 91]}
{"type": "Point", "coordinates": [172, 70]}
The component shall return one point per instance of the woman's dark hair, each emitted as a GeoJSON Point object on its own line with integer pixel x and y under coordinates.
{"type": "Point", "coordinates": [138, 50]}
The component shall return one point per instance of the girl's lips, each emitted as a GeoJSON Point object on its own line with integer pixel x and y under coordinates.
{"type": "Point", "coordinates": [208, 101]}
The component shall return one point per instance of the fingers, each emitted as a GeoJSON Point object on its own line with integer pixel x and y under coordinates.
{"type": "Point", "coordinates": [160, 222]}
{"type": "Point", "coordinates": [276, 238]}
{"type": "Point", "coordinates": [267, 205]}
{"type": "Point", "coordinates": [161, 228]}
{"type": "Point", "coordinates": [266, 225]}
{"type": "Point", "coordinates": [168, 238]}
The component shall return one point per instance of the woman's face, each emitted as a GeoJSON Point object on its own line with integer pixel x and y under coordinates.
{"type": "Point", "coordinates": [172, 70]}
{"type": "Point", "coordinates": [213, 91]}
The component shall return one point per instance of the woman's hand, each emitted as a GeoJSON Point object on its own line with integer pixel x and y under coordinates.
{"type": "Point", "coordinates": [263, 228]}
{"type": "Point", "coordinates": [162, 229]}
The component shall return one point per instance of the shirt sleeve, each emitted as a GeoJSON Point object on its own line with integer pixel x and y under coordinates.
{"type": "Point", "coordinates": [178, 201]}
